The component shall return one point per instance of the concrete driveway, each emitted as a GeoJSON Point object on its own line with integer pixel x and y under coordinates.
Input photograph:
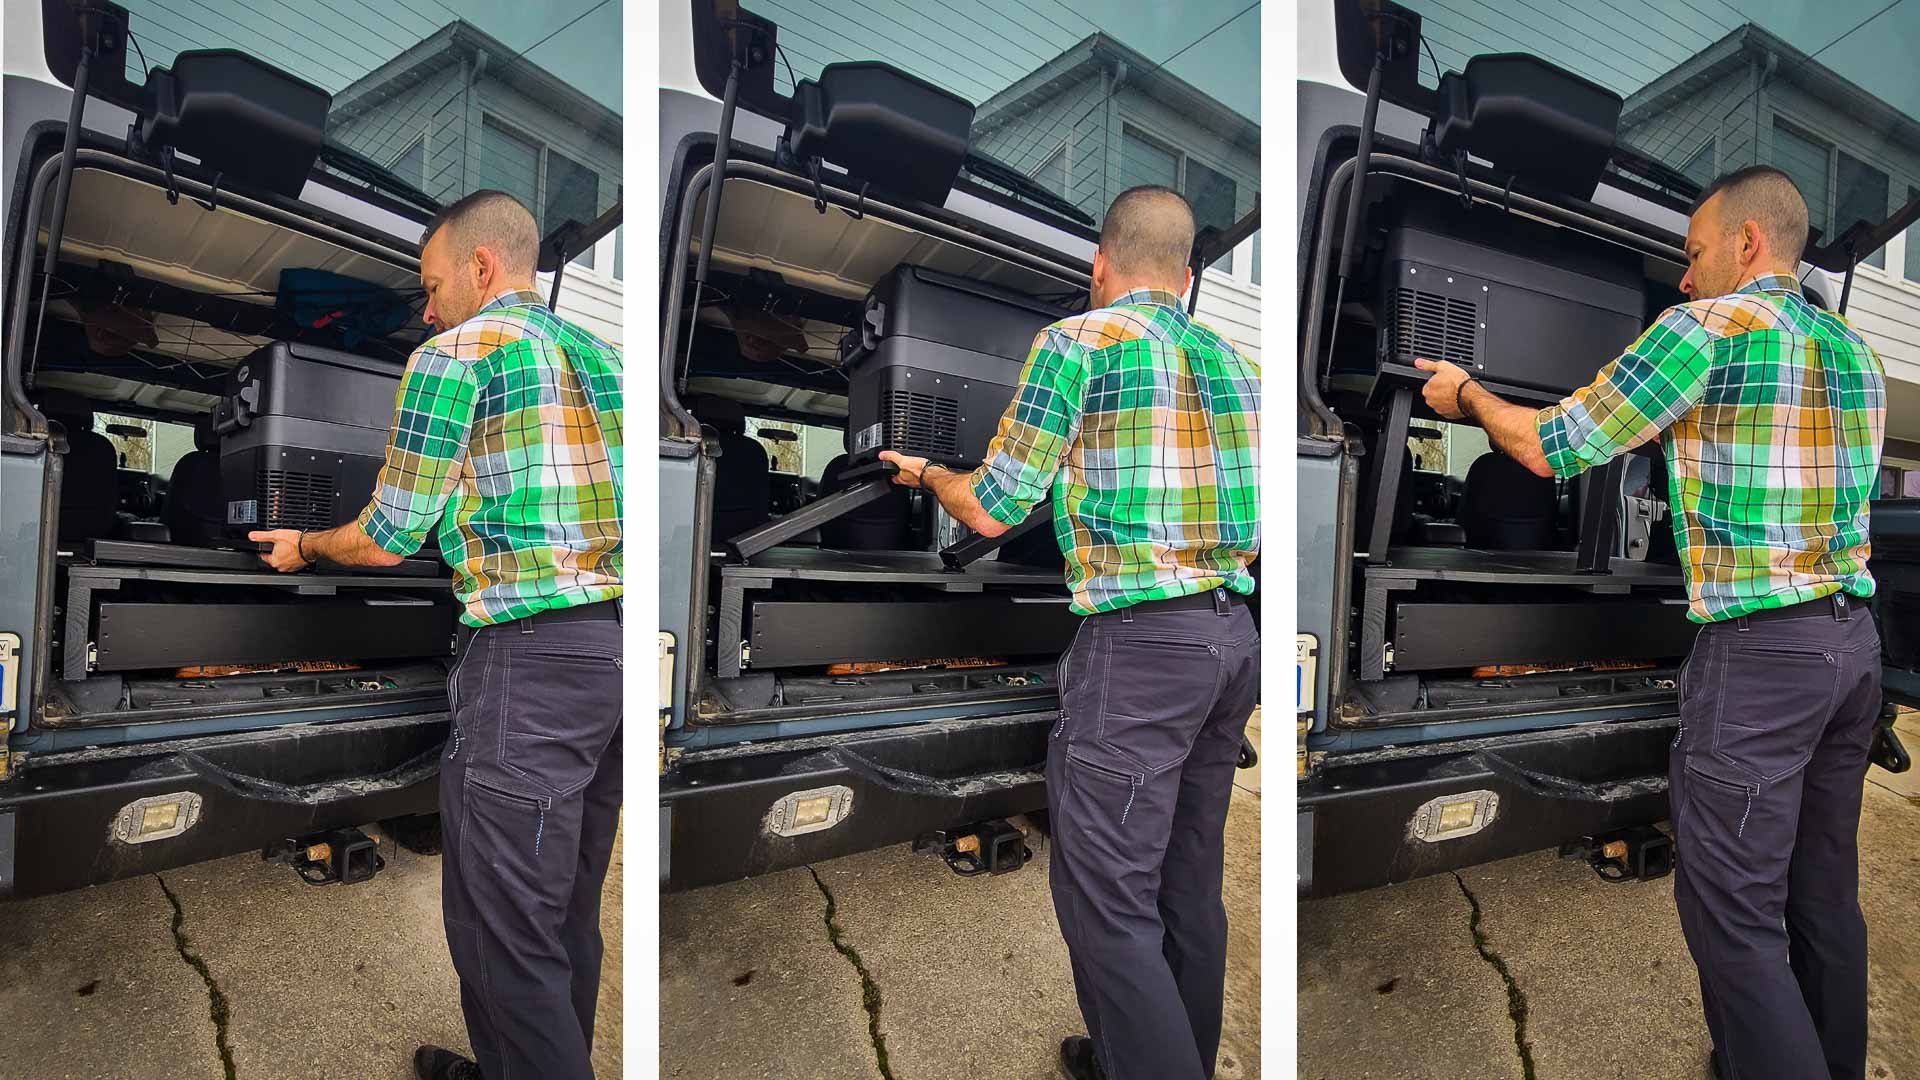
{"type": "Point", "coordinates": [933, 977]}
{"type": "Point", "coordinates": [236, 970]}
{"type": "Point", "coordinates": [1572, 977]}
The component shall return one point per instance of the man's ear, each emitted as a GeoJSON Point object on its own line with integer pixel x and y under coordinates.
{"type": "Point", "coordinates": [1100, 269]}
{"type": "Point", "coordinates": [486, 268]}
{"type": "Point", "coordinates": [1751, 241]}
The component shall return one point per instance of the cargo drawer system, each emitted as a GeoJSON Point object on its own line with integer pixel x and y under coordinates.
{"type": "Point", "coordinates": [151, 608]}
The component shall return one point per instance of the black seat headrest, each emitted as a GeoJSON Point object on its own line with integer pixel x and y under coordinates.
{"type": "Point", "coordinates": [1506, 507]}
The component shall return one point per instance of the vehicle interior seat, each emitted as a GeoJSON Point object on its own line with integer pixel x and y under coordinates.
{"type": "Point", "coordinates": [193, 512]}
{"type": "Point", "coordinates": [89, 484]}
{"type": "Point", "coordinates": [742, 486]}
{"type": "Point", "coordinates": [1506, 507]}
{"type": "Point", "coordinates": [882, 525]}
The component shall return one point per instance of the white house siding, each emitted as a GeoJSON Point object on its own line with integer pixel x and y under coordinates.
{"type": "Point", "coordinates": [1232, 309]}
{"type": "Point", "coordinates": [592, 298]}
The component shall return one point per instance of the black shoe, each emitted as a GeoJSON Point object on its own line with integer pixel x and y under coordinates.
{"type": "Point", "coordinates": [1076, 1059]}
{"type": "Point", "coordinates": [434, 1063]}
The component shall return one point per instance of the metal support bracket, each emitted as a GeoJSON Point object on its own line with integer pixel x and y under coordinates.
{"type": "Point", "coordinates": [811, 516]}
{"type": "Point", "coordinates": [1387, 451]}
{"type": "Point", "coordinates": [977, 547]}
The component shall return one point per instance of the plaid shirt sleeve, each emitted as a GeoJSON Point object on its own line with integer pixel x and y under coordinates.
{"type": "Point", "coordinates": [431, 423]}
{"type": "Point", "coordinates": [1039, 425]}
{"type": "Point", "coordinates": [1655, 382]}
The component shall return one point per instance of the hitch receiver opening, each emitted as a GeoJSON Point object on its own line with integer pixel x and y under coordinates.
{"type": "Point", "coordinates": [1641, 853]}
{"type": "Point", "coordinates": [338, 856]}
{"type": "Point", "coordinates": [990, 847]}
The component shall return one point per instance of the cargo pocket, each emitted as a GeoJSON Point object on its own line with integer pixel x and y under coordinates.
{"type": "Point", "coordinates": [1104, 789]}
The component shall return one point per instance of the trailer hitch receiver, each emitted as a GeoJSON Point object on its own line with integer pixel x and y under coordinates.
{"type": "Point", "coordinates": [1640, 853]}
{"type": "Point", "coordinates": [991, 847]}
{"type": "Point", "coordinates": [338, 856]}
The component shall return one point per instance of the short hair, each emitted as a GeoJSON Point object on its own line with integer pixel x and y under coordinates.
{"type": "Point", "coordinates": [1767, 196]}
{"type": "Point", "coordinates": [1148, 231]}
{"type": "Point", "coordinates": [493, 220]}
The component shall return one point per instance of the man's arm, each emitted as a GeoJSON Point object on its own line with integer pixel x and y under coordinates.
{"type": "Point", "coordinates": [426, 453]}
{"type": "Point", "coordinates": [1512, 429]}
{"type": "Point", "coordinates": [344, 546]}
{"type": "Point", "coordinates": [1040, 423]}
{"type": "Point", "coordinates": [953, 489]}
{"type": "Point", "coordinates": [1659, 379]}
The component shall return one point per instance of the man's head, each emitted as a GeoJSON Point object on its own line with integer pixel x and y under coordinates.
{"type": "Point", "coordinates": [474, 250]}
{"type": "Point", "coordinates": [1748, 223]}
{"type": "Point", "coordinates": [1145, 242]}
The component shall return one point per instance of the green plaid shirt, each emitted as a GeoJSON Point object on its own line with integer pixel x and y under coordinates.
{"type": "Point", "coordinates": [507, 438]}
{"type": "Point", "coordinates": [1771, 413]}
{"type": "Point", "coordinates": [1145, 428]}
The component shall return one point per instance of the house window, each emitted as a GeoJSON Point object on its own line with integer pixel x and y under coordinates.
{"type": "Point", "coordinates": [619, 250]}
{"type": "Point", "coordinates": [1256, 258]}
{"type": "Point", "coordinates": [1699, 167]}
{"type": "Point", "coordinates": [411, 165]}
{"type": "Point", "coordinates": [509, 163]}
{"type": "Point", "coordinates": [554, 185]}
{"type": "Point", "coordinates": [1840, 189]}
{"type": "Point", "coordinates": [1213, 195]}
{"type": "Point", "coordinates": [1913, 243]}
{"type": "Point", "coordinates": [573, 192]}
{"type": "Point", "coordinates": [1861, 195]}
{"type": "Point", "coordinates": [1052, 173]}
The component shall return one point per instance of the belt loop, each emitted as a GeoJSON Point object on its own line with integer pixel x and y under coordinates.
{"type": "Point", "coordinates": [1839, 602]}
{"type": "Point", "coordinates": [1220, 605]}
{"type": "Point", "coordinates": [619, 611]}
{"type": "Point", "coordinates": [1740, 624]}
{"type": "Point", "coordinates": [526, 625]}
{"type": "Point", "coordinates": [1126, 614]}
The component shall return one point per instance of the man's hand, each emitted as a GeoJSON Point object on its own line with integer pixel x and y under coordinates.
{"type": "Point", "coordinates": [285, 555]}
{"type": "Point", "coordinates": [911, 468]}
{"type": "Point", "coordinates": [1443, 389]}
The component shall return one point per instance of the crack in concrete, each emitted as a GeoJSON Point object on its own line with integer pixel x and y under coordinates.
{"type": "Point", "coordinates": [869, 990]}
{"type": "Point", "coordinates": [216, 998]}
{"type": "Point", "coordinates": [1516, 997]}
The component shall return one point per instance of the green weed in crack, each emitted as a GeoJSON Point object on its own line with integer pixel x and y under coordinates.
{"type": "Point", "coordinates": [869, 990]}
{"type": "Point", "coordinates": [1516, 998]}
{"type": "Point", "coordinates": [216, 999]}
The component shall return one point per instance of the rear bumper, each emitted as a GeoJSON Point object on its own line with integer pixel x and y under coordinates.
{"type": "Point", "coordinates": [1358, 812]}
{"type": "Point", "coordinates": [719, 816]}
{"type": "Point", "coordinates": [254, 789]}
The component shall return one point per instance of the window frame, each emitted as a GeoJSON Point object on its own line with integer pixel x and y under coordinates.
{"type": "Point", "coordinates": [543, 148]}
{"type": "Point", "coordinates": [1240, 272]}
{"type": "Point", "coordinates": [1896, 177]}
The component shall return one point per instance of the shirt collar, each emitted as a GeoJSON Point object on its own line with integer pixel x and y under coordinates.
{"type": "Point", "coordinates": [1148, 296]}
{"type": "Point", "coordinates": [513, 298]}
{"type": "Point", "coordinates": [1771, 283]}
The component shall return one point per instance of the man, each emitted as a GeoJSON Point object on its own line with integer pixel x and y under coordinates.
{"type": "Point", "coordinates": [1143, 428]}
{"type": "Point", "coordinates": [1771, 413]}
{"type": "Point", "coordinates": [506, 445]}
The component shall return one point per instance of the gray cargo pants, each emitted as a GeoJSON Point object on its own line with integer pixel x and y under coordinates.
{"type": "Point", "coordinates": [529, 799]}
{"type": "Point", "coordinates": [1776, 718]}
{"type": "Point", "coordinates": [1139, 773]}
